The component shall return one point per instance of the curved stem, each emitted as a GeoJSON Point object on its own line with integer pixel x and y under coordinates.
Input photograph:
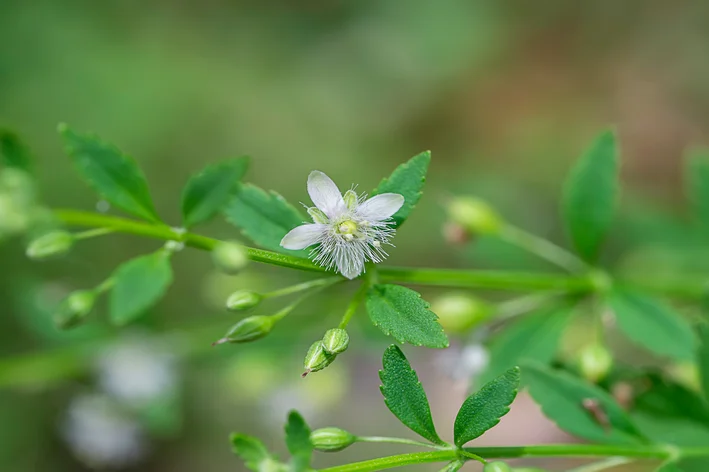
{"type": "Point", "coordinates": [354, 304]}
{"type": "Point", "coordinates": [411, 442]}
{"type": "Point", "coordinates": [542, 248]}
{"type": "Point", "coordinates": [281, 292]}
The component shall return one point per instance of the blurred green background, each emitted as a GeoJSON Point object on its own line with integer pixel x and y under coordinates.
{"type": "Point", "coordinates": [506, 94]}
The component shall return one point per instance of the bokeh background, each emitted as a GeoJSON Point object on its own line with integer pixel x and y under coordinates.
{"type": "Point", "coordinates": [506, 94]}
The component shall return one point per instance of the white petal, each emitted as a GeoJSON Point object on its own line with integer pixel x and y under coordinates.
{"type": "Point", "coordinates": [325, 194]}
{"type": "Point", "coordinates": [380, 207]}
{"type": "Point", "coordinates": [303, 236]}
{"type": "Point", "coordinates": [350, 267]}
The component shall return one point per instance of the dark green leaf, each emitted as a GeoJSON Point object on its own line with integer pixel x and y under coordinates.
{"type": "Point", "coordinates": [697, 182]}
{"type": "Point", "coordinates": [207, 192]}
{"type": "Point", "coordinates": [535, 336]}
{"type": "Point", "coordinates": [670, 400]}
{"type": "Point", "coordinates": [14, 152]}
{"type": "Point", "coordinates": [579, 408]}
{"type": "Point", "coordinates": [653, 325]}
{"type": "Point", "coordinates": [669, 467]}
{"type": "Point", "coordinates": [400, 312]}
{"type": "Point", "coordinates": [114, 175]}
{"type": "Point", "coordinates": [138, 285]}
{"type": "Point", "coordinates": [255, 455]}
{"type": "Point", "coordinates": [590, 196]}
{"type": "Point", "coordinates": [298, 442]}
{"type": "Point", "coordinates": [406, 180]}
{"type": "Point", "coordinates": [264, 217]}
{"type": "Point", "coordinates": [483, 409]}
{"type": "Point", "coordinates": [703, 359]}
{"type": "Point", "coordinates": [404, 395]}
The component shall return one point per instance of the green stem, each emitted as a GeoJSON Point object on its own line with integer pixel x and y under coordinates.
{"type": "Point", "coordinates": [411, 442]}
{"type": "Point", "coordinates": [92, 233]}
{"type": "Point", "coordinates": [542, 248]}
{"type": "Point", "coordinates": [354, 304]}
{"type": "Point", "coordinates": [602, 465]}
{"type": "Point", "coordinates": [324, 282]}
{"type": "Point", "coordinates": [551, 450]}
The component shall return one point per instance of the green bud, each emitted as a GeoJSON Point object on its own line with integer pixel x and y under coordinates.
{"type": "Point", "coordinates": [350, 198]}
{"type": "Point", "coordinates": [497, 466]}
{"type": "Point", "coordinates": [595, 361]}
{"type": "Point", "coordinates": [335, 341]}
{"type": "Point", "coordinates": [331, 439]}
{"type": "Point", "coordinates": [317, 215]}
{"type": "Point", "coordinates": [317, 358]}
{"type": "Point", "coordinates": [458, 312]}
{"type": "Point", "coordinates": [474, 215]}
{"type": "Point", "coordinates": [54, 243]}
{"type": "Point", "coordinates": [249, 329]}
{"type": "Point", "coordinates": [230, 258]}
{"type": "Point", "coordinates": [243, 300]}
{"type": "Point", "coordinates": [74, 308]}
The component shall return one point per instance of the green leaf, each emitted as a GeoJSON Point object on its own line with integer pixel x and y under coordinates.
{"type": "Point", "coordinates": [666, 400]}
{"type": "Point", "coordinates": [114, 175]}
{"type": "Point", "coordinates": [298, 442]}
{"type": "Point", "coordinates": [534, 336]}
{"type": "Point", "coordinates": [264, 217]}
{"type": "Point", "coordinates": [207, 192]}
{"type": "Point", "coordinates": [653, 325]}
{"type": "Point", "coordinates": [404, 395]}
{"type": "Point", "coordinates": [139, 284]}
{"type": "Point", "coordinates": [703, 359]}
{"type": "Point", "coordinates": [562, 398]}
{"type": "Point", "coordinates": [483, 409]}
{"type": "Point", "coordinates": [669, 467]}
{"type": "Point", "coordinates": [697, 186]}
{"type": "Point", "coordinates": [254, 454]}
{"type": "Point", "coordinates": [402, 313]}
{"type": "Point", "coordinates": [590, 196]}
{"type": "Point", "coordinates": [406, 180]}
{"type": "Point", "coordinates": [14, 152]}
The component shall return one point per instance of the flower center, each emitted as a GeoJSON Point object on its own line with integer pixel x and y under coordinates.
{"type": "Point", "coordinates": [347, 227]}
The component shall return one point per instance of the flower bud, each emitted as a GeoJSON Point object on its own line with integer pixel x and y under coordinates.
{"type": "Point", "coordinates": [248, 329]}
{"type": "Point", "coordinates": [243, 300]}
{"type": "Point", "coordinates": [497, 466]}
{"type": "Point", "coordinates": [230, 258]}
{"type": "Point", "coordinates": [474, 215]}
{"type": "Point", "coordinates": [54, 243]}
{"type": "Point", "coordinates": [317, 358]}
{"type": "Point", "coordinates": [459, 312]}
{"type": "Point", "coordinates": [335, 341]}
{"type": "Point", "coordinates": [594, 362]}
{"type": "Point", "coordinates": [331, 439]}
{"type": "Point", "coordinates": [74, 308]}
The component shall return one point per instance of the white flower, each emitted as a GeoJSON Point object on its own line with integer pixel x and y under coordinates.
{"type": "Point", "coordinates": [349, 231]}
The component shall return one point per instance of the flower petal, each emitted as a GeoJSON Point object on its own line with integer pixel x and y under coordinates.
{"type": "Point", "coordinates": [325, 194]}
{"type": "Point", "coordinates": [350, 267]}
{"type": "Point", "coordinates": [303, 236]}
{"type": "Point", "coordinates": [380, 207]}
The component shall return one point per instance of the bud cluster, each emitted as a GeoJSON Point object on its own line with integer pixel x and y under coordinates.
{"type": "Point", "coordinates": [322, 353]}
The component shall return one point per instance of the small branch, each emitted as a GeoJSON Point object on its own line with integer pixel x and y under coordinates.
{"type": "Point", "coordinates": [354, 304]}
{"type": "Point", "coordinates": [410, 442]}
{"type": "Point", "coordinates": [543, 248]}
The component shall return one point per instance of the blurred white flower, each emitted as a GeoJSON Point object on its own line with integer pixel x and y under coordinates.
{"type": "Point", "coordinates": [100, 435]}
{"type": "Point", "coordinates": [349, 230]}
{"type": "Point", "coordinates": [136, 371]}
{"type": "Point", "coordinates": [464, 363]}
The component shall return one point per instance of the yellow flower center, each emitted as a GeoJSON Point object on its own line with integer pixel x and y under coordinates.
{"type": "Point", "coordinates": [347, 227]}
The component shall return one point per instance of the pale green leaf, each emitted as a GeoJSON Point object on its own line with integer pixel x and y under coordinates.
{"type": "Point", "coordinates": [590, 196]}
{"type": "Point", "coordinates": [483, 409]}
{"type": "Point", "coordinates": [13, 152]}
{"type": "Point", "coordinates": [114, 175]}
{"type": "Point", "coordinates": [251, 450]}
{"type": "Point", "coordinates": [404, 395]}
{"type": "Point", "coordinates": [533, 337]}
{"type": "Point", "coordinates": [138, 285]}
{"type": "Point", "coordinates": [298, 442]}
{"type": "Point", "coordinates": [264, 217]}
{"type": "Point", "coordinates": [406, 180]}
{"type": "Point", "coordinates": [208, 191]}
{"type": "Point", "coordinates": [653, 325]}
{"type": "Point", "coordinates": [401, 313]}
{"type": "Point", "coordinates": [578, 407]}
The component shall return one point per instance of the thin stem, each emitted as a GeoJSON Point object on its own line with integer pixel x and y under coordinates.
{"type": "Point", "coordinates": [92, 233]}
{"type": "Point", "coordinates": [602, 465]}
{"type": "Point", "coordinates": [411, 442]}
{"type": "Point", "coordinates": [354, 304]}
{"type": "Point", "coordinates": [542, 248]}
{"type": "Point", "coordinates": [285, 311]}
{"type": "Point", "coordinates": [470, 455]}
{"type": "Point", "coordinates": [324, 282]}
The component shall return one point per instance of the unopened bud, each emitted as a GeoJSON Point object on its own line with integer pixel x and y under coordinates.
{"type": "Point", "coordinates": [54, 243]}
{"type": "Point", "coordinates": [230, 258]}
{"type": "Point", "coordinates": [595, 361]}
{"type": "Point", "coordinates": [474, 215]}
{"type": "Point", "coordinates": [243, 300]}
{"type": "Point", "coordinates": [74, 308]}
{"type": "Point", "coordinates": [459, 312]}
{"type": "Point", "coordinates": [331, 439]}
{"type": "Point", "coordinates": [248, 329]}
{"type": "Point", "coordinates": [317, 358]}
{"type": "Point", "coordinates": [497, 466]}
{"type": "Point", "coordinates": [335, 341]}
